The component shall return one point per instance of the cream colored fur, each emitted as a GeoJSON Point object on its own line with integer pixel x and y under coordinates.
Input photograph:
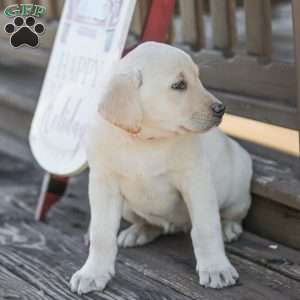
{"type": "Point", "coordinates": [157, 158]}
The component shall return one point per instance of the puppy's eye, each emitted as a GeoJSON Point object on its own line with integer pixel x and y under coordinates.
{"type": "Point", "coordinates": [180, 85]}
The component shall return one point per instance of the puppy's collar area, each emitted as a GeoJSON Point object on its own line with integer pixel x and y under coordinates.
{"type": "Point", "coordinates": [142, 135]}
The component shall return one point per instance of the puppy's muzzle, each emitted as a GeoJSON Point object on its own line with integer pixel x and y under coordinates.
{"type": "Point", "coordinates": [218, 109]}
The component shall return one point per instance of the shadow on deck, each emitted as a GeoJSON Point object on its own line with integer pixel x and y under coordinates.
{"type": "Point", "coordinates": [37, 259]}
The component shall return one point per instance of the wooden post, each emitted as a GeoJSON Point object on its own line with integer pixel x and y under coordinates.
{"type": "Point", "coordinates": [259, 28]}
{"type": "Point", "coordinates": [58, 7]}
{"type": "Point", "coordinates": [52, 10]}
{"type": "Point", "coordinates": [191, 13]}
{"type": "Point", "coordinates": [139, 16]}
{"type": "Point", "coordinates": [224, 25]}
{"type": "Point", "coordinates": [296, 24]}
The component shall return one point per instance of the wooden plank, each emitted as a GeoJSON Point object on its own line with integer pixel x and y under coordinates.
{"type": "Point", "coordinates": [52, 10]}
{"type": "Point", "coordinates": [13, 287]}
{"type": "Point", "coordinates": [139, 17]}
{"type": "Point", "coordinates": [17, 147]}
{"type": "Point", "coordinates": [171, 260]}
{"type": "Point", "coordinates": [223, 23]}
{"type": "Point", "coordinates": [282, 222]}
{"type": "Point", "coordinates": [44, 257]}
{"type": "Point", "coordinates": [18, 95]}
{"type": "Point", "coordinates": [22, 95]}
{"type": "Point", "coordinates": [272, 154]}
{"type": "Point", "coordinates": [50, 270]}
{"type": "Point", "coordinates": [59, 7]}
{"type": "Point", "coordinates": [276, 181]}
{"type": "Point", "coordinates": [275, 210]}
{"type": "Point", "coordinates": [276, 81]}
{"type": "Point", "coordinates": [191, 13]}
{"type": "Point", "coordinates": [296, 23]}
{"type": "Point", "coordinates": [15, 122]}
{"type": "Point", "coordinates": [254, 248]}
{"type": "Point", "coordinates": [258, 28]}
{"type": "Point", "coordinates": [258, 109]}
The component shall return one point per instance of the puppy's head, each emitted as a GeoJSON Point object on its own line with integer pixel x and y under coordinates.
{"type": "Point", "coordinates": [155, 91]}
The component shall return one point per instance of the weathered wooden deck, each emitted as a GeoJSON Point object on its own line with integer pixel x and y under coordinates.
{"type": "Point", "coordinates": [37, 259]}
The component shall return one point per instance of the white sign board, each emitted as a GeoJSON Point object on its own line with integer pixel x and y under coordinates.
{"type": "Point", "coordinates": [91, 37]}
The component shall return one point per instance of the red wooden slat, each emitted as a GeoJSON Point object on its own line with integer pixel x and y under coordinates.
{"type": "Point", "coordinates": [158, 20]}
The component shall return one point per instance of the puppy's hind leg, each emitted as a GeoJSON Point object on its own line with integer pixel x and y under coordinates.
{"type": "Point", "coordinates": [232, 218]}
{"type": "Point", "coordinates": [231, 230]}
{"type": "Point", "coordinates": [139, 233]}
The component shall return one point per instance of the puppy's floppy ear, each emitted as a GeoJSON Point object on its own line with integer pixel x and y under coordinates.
{"type": "Point", "coordinates": [120, 104]}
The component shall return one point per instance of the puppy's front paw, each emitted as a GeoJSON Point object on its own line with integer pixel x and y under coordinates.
{"type": "Point", "coordinates": [88, 279]}
{"type": "Point", "coordinates": [218, 276]}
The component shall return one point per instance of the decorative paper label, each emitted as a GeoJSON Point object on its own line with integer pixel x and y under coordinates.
{"type": "Point", "coordinates": [91, 37]}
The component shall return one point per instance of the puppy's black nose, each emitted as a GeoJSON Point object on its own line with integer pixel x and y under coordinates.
{"type": "Point", "coordinates": [218, 109]}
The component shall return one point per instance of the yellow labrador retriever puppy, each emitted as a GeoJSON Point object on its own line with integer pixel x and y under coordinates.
{"type": "Point", "coordinates": [157, 159]}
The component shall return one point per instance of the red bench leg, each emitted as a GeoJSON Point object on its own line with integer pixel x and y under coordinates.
{"type": "Point", "coordinates": [156, 28]}
{"type": "Point", "coordinates": [52, 190]}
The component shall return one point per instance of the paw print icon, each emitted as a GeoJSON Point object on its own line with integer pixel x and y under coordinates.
{"type": "Point", "coordinates": [24, 32]}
